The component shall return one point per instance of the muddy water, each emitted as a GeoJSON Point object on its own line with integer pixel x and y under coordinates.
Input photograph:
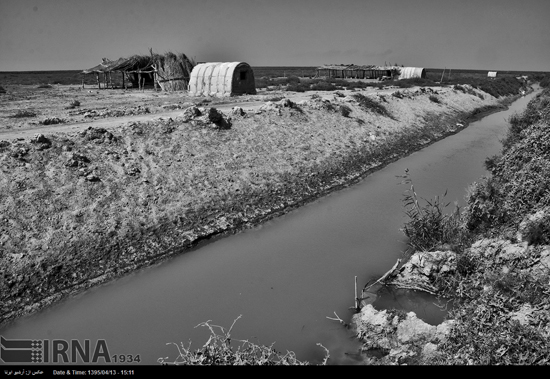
{"type": "Point", "coordinates": [284, 277]}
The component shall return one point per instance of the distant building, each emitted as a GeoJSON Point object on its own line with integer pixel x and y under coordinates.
{"type": "Point", "coordinates": [492, 74]}
{"type": "Point", "coordinates": [222, 79]}
{"type": "Point", "coordinates": [352, 71]}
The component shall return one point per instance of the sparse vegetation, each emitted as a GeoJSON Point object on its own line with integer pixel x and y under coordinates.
{"type": "Point", "coordinates": [23, 113]}
{"type": "Point", "coordinates": [434, 99]}
{"type": "Point", "coordinates": [221, 349]}
{"type": "Point", "coordinates": [501, 301]}
{"type": "Point", "coordinates": [345, 110]}
{"type": "Point", "coordinates": [429, 225]}
{"type": "Point", "coordinates": [371, 105]}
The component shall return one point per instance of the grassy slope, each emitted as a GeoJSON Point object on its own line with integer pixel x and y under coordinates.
{"type": "Point", "coordinates": [496, 290]}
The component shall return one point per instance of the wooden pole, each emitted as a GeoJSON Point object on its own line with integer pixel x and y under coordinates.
{"type": "Point", "coordinates": [356, 298]}
{"type": "Point", "coordinates": [449, 77]}
{"type": "Point", "coordinates": [123, 80]}
{"type": "Point", "coordinates": [139, 81]}
{"type": "Point", "coordinates": [98, 82]}
{"type": "Point", "coordinates": [441, 81]}
{"type": "Point", "coordinates": [82, 83]}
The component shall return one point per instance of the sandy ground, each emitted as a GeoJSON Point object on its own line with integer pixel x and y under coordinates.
{"type": "Point", "coordinates": [112, 108]}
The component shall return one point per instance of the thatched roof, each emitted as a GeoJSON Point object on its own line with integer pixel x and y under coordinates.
{"type": "Point", "coordinates": [355, 67]}
{"type": "Point", "coordinates": [173, 70]}
{"type": "Point", "coordinates": [137, 63]}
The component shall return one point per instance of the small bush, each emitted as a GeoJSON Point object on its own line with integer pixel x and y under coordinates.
{"type": "Point", "coordinates": [428, 225]}
{"type": "Point", "coordinates": [345, 110]}
{"type": "Point", "coordinates": [293, 80]}
{"type": "Point", "coordinates": [297, 88]}
{"type": "Point", "coordinates": [545, 82]}
{"type": "Point", "coordinates": [371, 105]}
{"type": "Point", "coordinates": [324, 86]}
{"type": "Point", "coordinates": [458, 87]}
{"type": "Point", "coordinates": [435, 99]}
{"type": "Point", "coordinates": [22, 113]}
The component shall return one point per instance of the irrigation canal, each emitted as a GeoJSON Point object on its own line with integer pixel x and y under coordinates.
{"type": "Point", "coordinates": [284, 277]}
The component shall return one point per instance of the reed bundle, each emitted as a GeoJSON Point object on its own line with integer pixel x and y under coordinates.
{"type": "Point", "coordinates": [173, 70]}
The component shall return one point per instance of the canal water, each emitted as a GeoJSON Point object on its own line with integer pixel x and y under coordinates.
{"type": "Point", "coordinates": [285, 277]}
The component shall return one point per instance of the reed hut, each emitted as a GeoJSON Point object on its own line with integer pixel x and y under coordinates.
{"type": "Point", "coordinates": [492, 74]}
{"type": "Point", "coordinates": [222, 79]}
{"type": "Point", "coordinates": [172, 71]}
{"type": "Point", "coordinates": [412, 72]}
{"type": "Point", "coordinates": [136, 69]}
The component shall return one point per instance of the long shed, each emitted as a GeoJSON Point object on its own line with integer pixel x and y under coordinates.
{"type": "Point", "coordinates": [222, 79]}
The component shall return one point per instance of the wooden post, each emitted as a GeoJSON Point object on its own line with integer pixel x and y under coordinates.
{"type": "Point", "coordinates": [143, 85]}
{"type": "Point", "coordinates": [441, 81]}
{"type": "Point", "coordinates": [139, 81]}
{"type": "Point", "coordinates": [110, 80]}
{"type": "Point", "coordinates": [123, 80]}
{"type": "Point", "coordinates": [449, 77]}
{"type": "Point", "coordinates": [356, 298]}
{"type": "Point", "coordinates": [98, 81]}
{"type": "Point", "coordinates": [82, 83]}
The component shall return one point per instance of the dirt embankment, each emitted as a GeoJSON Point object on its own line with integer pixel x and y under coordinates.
{"type": "Point", "coordinates": [80, 209]}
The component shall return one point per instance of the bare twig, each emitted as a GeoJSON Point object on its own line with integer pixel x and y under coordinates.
{"type": "Point", "coordinates": [383, 277]}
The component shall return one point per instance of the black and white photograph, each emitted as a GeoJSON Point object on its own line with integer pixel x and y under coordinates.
{"type": "Point", "coordinates": [273, 182]}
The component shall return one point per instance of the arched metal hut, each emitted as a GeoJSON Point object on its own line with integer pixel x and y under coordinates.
{"type": "Point", "coordinates": [412, 72]}
{"type": "Point", "coordinates": [222, 79]}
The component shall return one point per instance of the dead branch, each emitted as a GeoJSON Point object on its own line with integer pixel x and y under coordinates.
{"type": "Point", "coordinates": [339, 320]}
{"type": "Point", "coordinates": [390, 272]}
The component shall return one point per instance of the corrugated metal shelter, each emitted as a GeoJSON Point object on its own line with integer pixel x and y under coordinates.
{"type": "Point", "coordinates": [222, 79]}
{"type": "Point", "coordinates": [492, 74]}
{"type": "Point", "coordinates": [412, 72]}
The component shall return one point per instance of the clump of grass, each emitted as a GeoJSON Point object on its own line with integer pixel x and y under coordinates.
{"type": "Point", "coordinates": [397, 94]}
{"type": "Point", "coordinates": [435, 99]}
{"type": "Point", "coordinates": [297, 88]}
{"type": "Point", "coordinates": [371, 105]}
{"type": "Point", "coordinates": [324, 86]}
{"type": "Point", "coordinates": [218, 350]}
{"type": "Point", "coordinates": [23, 113]}
{"type": "Point", "coordinates": [428, 225]}
{"type": "Point", "coordinates": [345, 110]}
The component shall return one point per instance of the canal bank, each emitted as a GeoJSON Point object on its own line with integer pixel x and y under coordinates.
{"type": "Point", "coordinates": [489, 262]}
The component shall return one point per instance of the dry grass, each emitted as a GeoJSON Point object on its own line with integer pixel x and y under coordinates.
{"type": "Point", "coordinates": [220, 350]}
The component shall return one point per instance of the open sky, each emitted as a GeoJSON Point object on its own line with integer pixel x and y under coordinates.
{"type": "Point", "coordinates": [467, 34]}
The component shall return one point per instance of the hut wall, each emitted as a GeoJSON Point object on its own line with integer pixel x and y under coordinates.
{"type": "Point", "coordinates": [222, 79]}
{"type": "Point", "coordinates": [412, 72]}
{"type": "Point", "coordinates": [492, 74]}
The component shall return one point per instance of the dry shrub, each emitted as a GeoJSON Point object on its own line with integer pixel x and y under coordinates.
{"type": "Point", "coordinates": [218, 350]}
{"type": "Point", "coordinates": [22, 113]}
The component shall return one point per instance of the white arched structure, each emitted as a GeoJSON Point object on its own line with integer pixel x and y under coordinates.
{"type": "Point", "coordinates": [222, 79]}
